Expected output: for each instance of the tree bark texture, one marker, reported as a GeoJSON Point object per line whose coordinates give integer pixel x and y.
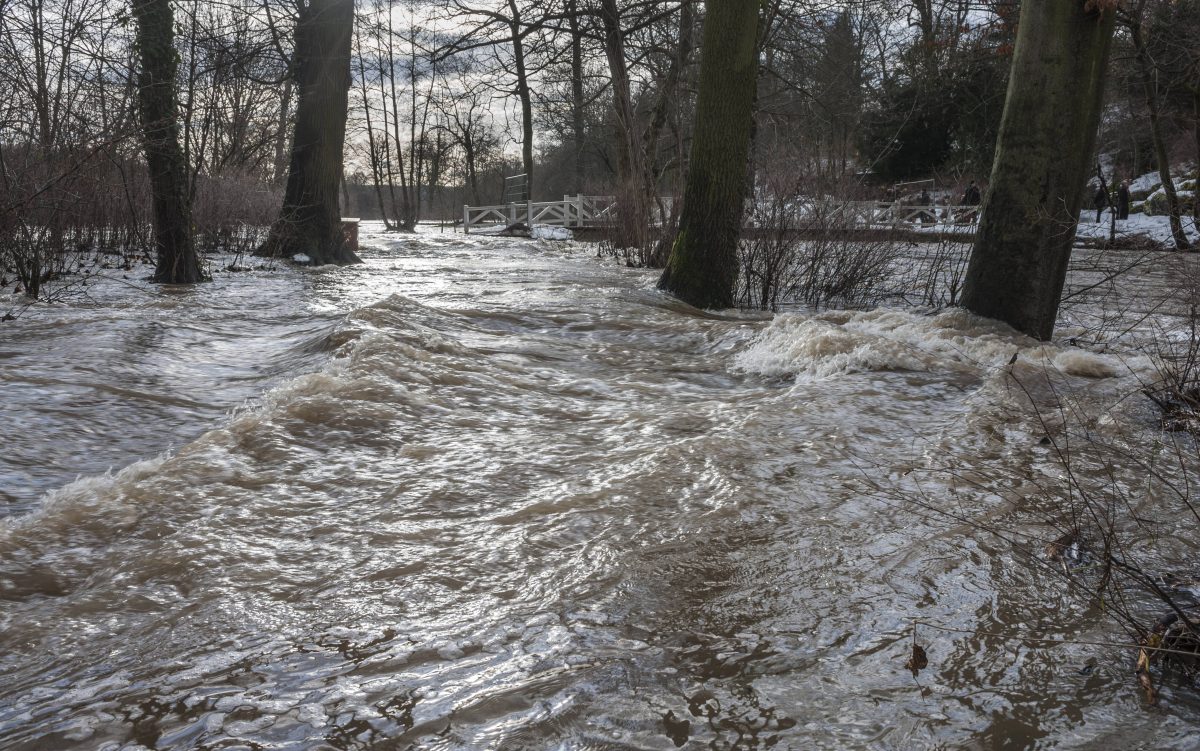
{"type": "Point", "coordinates": [702, 268]}
{"type": "Point", "coordinates": [1047, 134]}
{"type": "Point", "coordinates": [158, 110]}
{"type": "Point", "coordinates": [310, 221]}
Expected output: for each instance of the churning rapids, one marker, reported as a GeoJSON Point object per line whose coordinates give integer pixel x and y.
{"type": "Point", "coordinates": [483, 493]}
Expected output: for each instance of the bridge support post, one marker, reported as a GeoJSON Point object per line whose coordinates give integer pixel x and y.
{"type": "Point", "coordinates": [466, 219]}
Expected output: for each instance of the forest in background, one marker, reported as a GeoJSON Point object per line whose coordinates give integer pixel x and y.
{"type": "Point", "coordinates": [584, 96]}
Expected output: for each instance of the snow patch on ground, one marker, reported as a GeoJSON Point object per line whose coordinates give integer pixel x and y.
{"type": "Point", "coordinates": [301, 258]}
{"type": "Point", "coordinates": [1156, 228]}
{"type": "Point", "coordinates": [551, 232]}
{"type": "Point", "coordinates": [1144, 183]}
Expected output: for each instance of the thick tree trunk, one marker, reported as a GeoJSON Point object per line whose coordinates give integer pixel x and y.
{"type": "Point", "coordinates": [158, 110]}
{"type": "Point", "coordinates": [702, 268]}
{"type": "Point", "coordinates": [1150, 89]}
{"type": "Point", "coordinates": [310, 221]}
{"type": "Point", "coordinates": [1047, 133]}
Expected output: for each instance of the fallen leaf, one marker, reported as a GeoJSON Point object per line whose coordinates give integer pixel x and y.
{"type": "Point", "coordinates": [918, 661]}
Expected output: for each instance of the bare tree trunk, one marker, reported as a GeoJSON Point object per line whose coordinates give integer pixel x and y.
{"type": "Point", "coordinates": [669, 87]}
{"type": "Point", "coordinates": [577, 102]}
{"type": "Point", "coordinates": [158, 109]}
{"type": "Point", "coordinates": [281, 135]}
{"type": "Point", "coordinates": [1047, 134]}
{"type": "Point", "coordinates": [376, 167]}
{"type": "Point", "coordinates": [634, 185]}
{"type": "Point", "coordinates": [523, 94]}
{"type": "Point", "coordinates": [310, 221]}
{"type": "Point", "coordinates": [1146, 68]}
{"type": "Point", "coordinates": [702, 269]}
{"type": "Point", "coordinates": [404, 211]}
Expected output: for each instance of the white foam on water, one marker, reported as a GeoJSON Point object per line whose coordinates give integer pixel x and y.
{"type": "Point", "coordinates": [825, 345]}
{"type": "Point", "coordinates": [87, 495]}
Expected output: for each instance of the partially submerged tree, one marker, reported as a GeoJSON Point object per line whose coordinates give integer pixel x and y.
{"type": "Point", "coordinates": [1047, 133]}
{"type": "Point", "coordinates": [158, 112]}
{"type": "Point", "coordinates": [702, 267]}
{"type": "Point", "coordinates": [310, 221]}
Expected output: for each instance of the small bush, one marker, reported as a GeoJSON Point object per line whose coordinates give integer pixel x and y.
{"type": "Point", "coordinates": [801, 250]}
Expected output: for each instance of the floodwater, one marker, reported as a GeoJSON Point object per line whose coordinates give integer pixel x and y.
{"type": "Point", "coordinates": [483, 493]}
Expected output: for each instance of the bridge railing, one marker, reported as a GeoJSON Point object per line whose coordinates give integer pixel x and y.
{"type": "Point", "coordinates": [815, 212]}
{"type": "Point", "coordinates": [571, 211]}
{"type": "Point", "coordinates": [597, 211]}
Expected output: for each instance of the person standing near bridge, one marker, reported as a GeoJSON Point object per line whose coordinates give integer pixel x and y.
{"type": "Point", "coordinates": [1123, 201]}
{"type": "Point", "coordinates": [971, 199]}
{"type": "Point", "coordinates": [1100, 202]}
{"type": "Point", "coordinates": [927, 217]}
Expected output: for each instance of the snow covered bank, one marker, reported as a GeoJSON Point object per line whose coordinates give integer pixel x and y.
{"type": "Point", "coordinates": [1156, 228]}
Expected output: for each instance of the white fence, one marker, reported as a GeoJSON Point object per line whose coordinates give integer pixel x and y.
{"type": "Point", "coordinates": [571, 211]}
{"type": "Point", "coordinates": [873, 214]}
{"type": "Point", "coordinates": [597, 211]}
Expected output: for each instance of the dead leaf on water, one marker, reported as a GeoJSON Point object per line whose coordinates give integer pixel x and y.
{"type": "Point", "coordinates": [918, 661]}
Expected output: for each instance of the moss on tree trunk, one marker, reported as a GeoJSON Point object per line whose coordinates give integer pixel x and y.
{"type": "Point", "coordinates": [310, 220]}
{"type": "Point", "coordinates": [158, 111]}
{"type": "Point", "coordinates": [1047, 134]}
{"type": "Point", "coordinates": [702, 268]}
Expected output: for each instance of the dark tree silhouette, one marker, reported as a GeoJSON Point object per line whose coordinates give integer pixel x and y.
{"type": "Point", "coordinates": [702, 267]}
{"type": "Point", "coordinates": [310, 221]}
{"type": "Point", "coordinates": [1019, 262]}
{"type": "Point", "coordinates": [158, 111]}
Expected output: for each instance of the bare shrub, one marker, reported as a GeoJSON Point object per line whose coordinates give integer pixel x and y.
{"type": "Point", "coordinates": [62, 209]}
{"type": "Point", "coordinates": [801, 249]}
{"type": "Point", "coordinates": [643, 227]}
{"type": "Point", "coordinates": [232, 212]}
{"type": "Point", "coordinates": [1176, 353]}
{"type": "Point", "coordinates": [939, 272]}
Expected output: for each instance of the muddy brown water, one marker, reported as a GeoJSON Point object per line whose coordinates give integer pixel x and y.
{"type": "Point", "coordinates": [484, 493]}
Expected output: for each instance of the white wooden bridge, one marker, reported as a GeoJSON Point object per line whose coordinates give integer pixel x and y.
{"type": "Point", "coordinates": [581, 211]}
{"type": "Point", "coordinates": [888, 215]}
{"type": "Point", "coordinates": [572, 211]}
